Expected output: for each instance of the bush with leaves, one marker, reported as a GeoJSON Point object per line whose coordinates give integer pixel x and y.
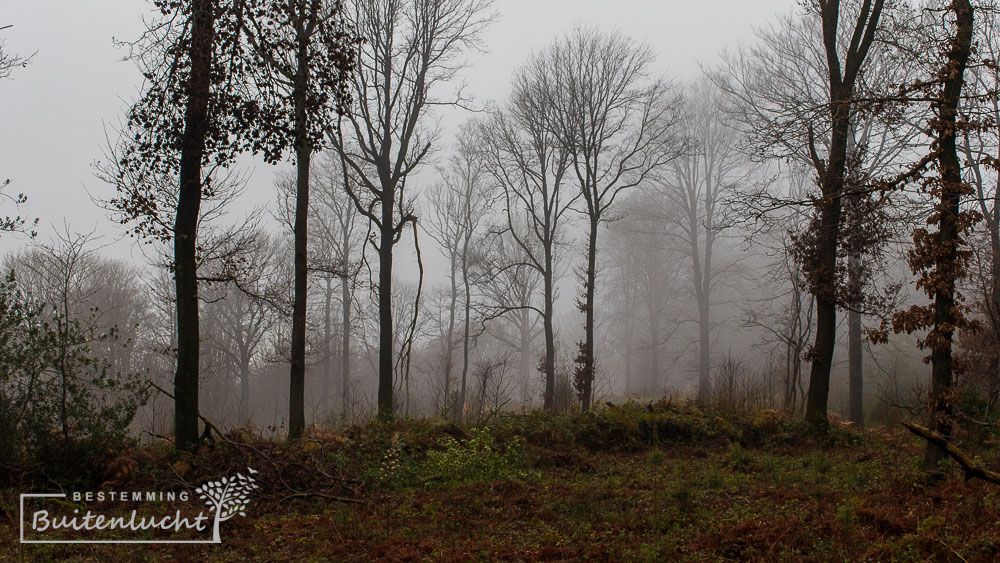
{"type": "Point", "coordinates": [477, 459]}
{"type": "Point", "coordinates": [61, 406]}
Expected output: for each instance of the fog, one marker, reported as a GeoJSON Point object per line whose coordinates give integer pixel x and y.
{"type": "Point", "coordinates": [698, 290]}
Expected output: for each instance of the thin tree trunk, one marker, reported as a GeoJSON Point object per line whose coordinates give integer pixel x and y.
{"type": "Point", "coordinates": [468, 310]}
{"type": "Point", "coordinates": [327, 343]}
{"type": "Point", "coordinates": [450, 345]}
{"type": "Point", "coordinates": [587, 368]}
{"type": "Point", "coordinates": [303, 154]}
{"type": "Point", "coordinates": [345, 345]}
{"type": "Point", "coordinates": [549, 361]}
{"type": "Point", "coordinates": [704, 351]}
{"type": "Point", "coordinates": [385, 350]}
{"type": "Point", "coordinates": [186, 223]}
{"type": "Point", "coordinates": [524, 357]}
{"type": "Point", "coordinates": [297, 387]}
{"type": "Point", "coordinates": [629, 322]}
{"type": "Point", "coordinates": [856, 405]}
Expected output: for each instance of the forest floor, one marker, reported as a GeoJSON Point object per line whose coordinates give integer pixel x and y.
{"type": "Point", "coordinates": [634, 483]}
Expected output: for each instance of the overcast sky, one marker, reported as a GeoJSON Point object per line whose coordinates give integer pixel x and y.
{"type": "Point", "coordinates": [53, 113]}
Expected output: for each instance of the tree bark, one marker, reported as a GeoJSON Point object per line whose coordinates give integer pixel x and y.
{"type": "Point", "coordinates": [385, 347]}
{"type": "Point", "coordinates": [297, 383]}
{"type": "Point", "coordinates": [196, 122]}
{"type": "Point", "coordinates": [450, 345]}
{"type": "Point", "coordinates": [948, 231]}
{"type": "Point", "coordinates": [822, 265]}
{"type": "Point", "coordinates": [587, 368]}
{"type": "Point", "coordinates": [549, 361]}
{"type": "Point", "coordinates": [468, 311]}
{"type": "Point", "coordinates": [345, 344]}
{"type": "Point", "coordinates": [704, 351]}
{"type": "Point", "coordinates": [825, 267]}
{"type": "Point", "coordinates": [856, 383]}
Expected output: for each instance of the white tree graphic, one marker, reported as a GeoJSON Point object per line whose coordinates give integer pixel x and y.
{"type": "Point", "coordinates": [227, 497]}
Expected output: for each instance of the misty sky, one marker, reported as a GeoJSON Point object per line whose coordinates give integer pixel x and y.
{"type": "Point", "coordinates": [55, 111]}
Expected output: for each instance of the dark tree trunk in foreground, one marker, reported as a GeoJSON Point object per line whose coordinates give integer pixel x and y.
{"type": "Point", "coordinates": [385, 329]}
{"type": "Point", "coordinates": [186, 223]}
{"type": "Point", "coordinates": [948, 231]}
{"type": "Point", "coordinates": [822, 257]}
{"type": "Point", "coordinates": [303, 153]}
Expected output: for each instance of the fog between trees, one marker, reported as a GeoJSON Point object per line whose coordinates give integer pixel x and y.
{"type": "Point", "coordinates": [604, 232]}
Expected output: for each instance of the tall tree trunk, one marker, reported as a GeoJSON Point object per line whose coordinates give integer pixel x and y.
{"type": "Point", "coordinates": [450, 344]}
{"type": "Point", "coordinates": [822, 259]}
{"type": "Point", "coordinates": [549, 361]}
{"type": "Point", "coordinates": [655, 322]}
{"type": "Point", "coordinates": [186, 223]}
{"type": "Point", "coordinates": [704, 351]}
{"type": "Point", "coordinates": [385, 341]}
{"type": "Point", "coordinates": [587, 368]}
{"type": "Point", "coordinates": [524, 357]}
{"type": "Point", "coordinates": [327, 343]}
{"type": "Point", "coordinates": [856, 383]}
{"type": "Point", "coordinates": [629, 323]}
{"type": "Point", "coordinates": [825, 261]}
{"type": "Point", "coordinates": [297, 387]}
{"type": "Point", "coordinates": [345, 344]}
{"type": "Point", "coordinates": [948, 231]}
{"type": "Point", "coordinates": [468, 311]}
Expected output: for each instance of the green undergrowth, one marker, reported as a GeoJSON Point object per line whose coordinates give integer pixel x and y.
{"type": "Point", "coordinates": [634, 482]}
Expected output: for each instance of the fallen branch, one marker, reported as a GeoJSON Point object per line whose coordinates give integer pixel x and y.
{"type": "Point", "coordinates": [969, 465]}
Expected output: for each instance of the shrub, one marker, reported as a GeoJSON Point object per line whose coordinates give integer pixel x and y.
{"type": "Point", "coordinates": [61, 407]}
{"type": "Point", "coordinates": [475, 459]}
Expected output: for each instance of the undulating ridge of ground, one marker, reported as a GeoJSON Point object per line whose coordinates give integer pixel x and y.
{"type": "Point", "coordinates": [659, 482]}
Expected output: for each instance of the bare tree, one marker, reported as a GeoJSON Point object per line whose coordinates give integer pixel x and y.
{"type": "Point", "coordinates": [698, 184]}
{"type": "Point", "coordinates": [411, 48]}
{"type": "Point", "coordinates": [644, 286]}
{"type": "Point", "coordinates": [304, 52]}
{"type": "Point", "coordinates": [530, 164]}
{"type": "Point", "coordinates": [939, 258]}
{"type": "Point", "coordinates": [339, 238]}
{"type": "Point", "coordinates": [509, 306]}
{"type": "Point", "coordinates": [798, 99]}
{"type": "Point", "coordinates": [616, 124]}
{"type": "Point", "coordinates": [461, 202]}
{"type": "Point", "coordinates": [9, 61]}
{"type": "Point", "coordinates": [244, 315]}
{"type": "Point", "coordinates": [785, 314]}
